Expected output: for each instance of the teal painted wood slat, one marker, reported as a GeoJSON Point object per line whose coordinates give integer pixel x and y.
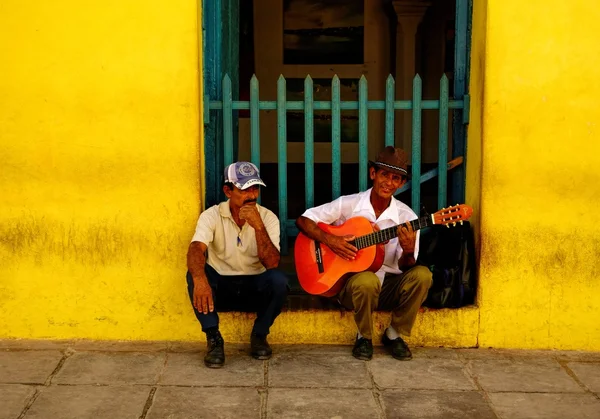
{"type": "Point", "coordinates": [254, 122]}
{"type": "Point", "coordinates": [362, 133]}
{"type": "Point", "coordinates": [443, 143]}
{"type": "Point", "coordinates": [227, 121]}
{"type": "Point", "coordinates": [336, 137]}
{"type": "Point", "coordinates": [206, 115]}
{"type": "Point", "coordinates": [282, 162]}
{"type": "Point", "coordinates": [416, 145]}
{"type": "Point", "coordinates": [212, 25]}
{"type": "Point", "coordinates": [389, 111]}
{"type": "Point", "coordinates": [309, 152]}
{"type": "Point", "coordinates": [230, 13]}
{"type": "Point", "coordinates": [348, 105]}
{"type": "Point", "coordinates": [460, 89]}
{"type": "Point", "coordinates": [430, 174]}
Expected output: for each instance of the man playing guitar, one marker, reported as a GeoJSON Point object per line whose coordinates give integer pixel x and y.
{"type": "Point", "coordinates": [398, 286]}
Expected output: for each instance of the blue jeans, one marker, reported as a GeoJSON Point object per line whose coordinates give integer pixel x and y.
{"type": "Point", "coordinates": [264, 294]}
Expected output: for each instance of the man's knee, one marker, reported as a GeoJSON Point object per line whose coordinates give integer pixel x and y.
{"type": "Point", "coordinates": [278, 281]}
{"type": "Point", "coordinates": [366, 283]}
{"type": "Point", "coordinates": [421, 276]}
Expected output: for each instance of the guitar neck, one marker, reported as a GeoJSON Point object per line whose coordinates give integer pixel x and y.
{"type": "Point", "coordinates": [389, 233]}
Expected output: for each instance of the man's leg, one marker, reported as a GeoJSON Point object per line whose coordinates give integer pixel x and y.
{"type": "Point", "coordinates": [361, 293]}
{"type": "Point", "coordinates": [215, 356]}
{"type": "Point", "coordinates": [270, 290]}
{"type": "Point", "coordinates": [403, 295]}
{"type": "Point", "coordinates": [209, 320]}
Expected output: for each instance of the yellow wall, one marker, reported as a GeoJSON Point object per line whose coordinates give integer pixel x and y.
{"type": "Point", "coordinates": [99, 122]}
{"type": "Point", "coordinates": [100, 180]}
{"type": "Point", "coordinates": [540, 181]}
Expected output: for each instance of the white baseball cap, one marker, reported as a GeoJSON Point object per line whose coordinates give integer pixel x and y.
{"type": "Point", "coordinates": [243, 174]}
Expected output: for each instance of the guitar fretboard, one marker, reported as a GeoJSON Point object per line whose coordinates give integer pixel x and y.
{"type": "Point", "coordinates": [389, 233]}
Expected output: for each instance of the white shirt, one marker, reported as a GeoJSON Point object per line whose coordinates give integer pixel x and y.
{"type": "Point", "coordinates": [232, 250]}
{"type": "Point", "coordinates": [345, 207]}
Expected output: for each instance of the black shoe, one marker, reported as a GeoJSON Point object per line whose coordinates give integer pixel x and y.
{"type": "Point", "coordinates": [399, 348]}
{"type": "Point", "coordinates": [363, 349]}
{"type": "Point", "coordinates": [215, 357]}
{"type": "Point", "coordinates": [259, 347]}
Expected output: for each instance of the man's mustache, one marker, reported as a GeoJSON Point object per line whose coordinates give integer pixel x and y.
{"type": "Point", "coordinates": [249, 201]}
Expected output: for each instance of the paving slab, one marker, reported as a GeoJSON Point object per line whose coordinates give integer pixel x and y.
{"type": "Point", "coordinates": [545, 406]}
{"type": "Point", "coordinates": [528, 353]}
{"type": "Point", "coordinates": [93, 402]}
{"type": "Point", "coordinates": [420, 373]}
{"type": "Point", "coordinates": [588, 374]}
{"type": "Point", "coordinates": [436, 405]}
{"type": "Point", "coordinates": [28, 367]}
{"type": "Point", "coordinates": [111, 368]}
{"type": "Point", "coordinates": [216, 402]}
{"type": "Point", "coordinates": [583, 356]}
{"type": "Point", "coordinates": [13, 398]}
{"type": "Point", "coordinates": [188, 369]}
{"type": "Point", "coordinates": [321, 403]}
{"type": "Point", "coordinates": [534, 375]}
{"type": "Point", "coordinates": [445, 353]}
{"type": "Point", "coordinates": [34, 344]}
{"type": "Point", "coordinates": [118, 346]}
{"type": "Point", "coordinates": [481, 353]}
{"type": "Point", "coordinates": [317, 370]}
{"type": "Point", "coordinates": [200, 347]}
{"type": "Point", "coordinates": [343, 350]}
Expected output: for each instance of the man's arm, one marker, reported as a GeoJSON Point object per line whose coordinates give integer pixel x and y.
{"type": "Point", "coordinates": [339, 244]}
{"type": "Point", "coordinates": [196, 261]}
{"type": "Point", "coordinates": [407, 239]}
{"type": "Point", "coordinates": [267, 252]}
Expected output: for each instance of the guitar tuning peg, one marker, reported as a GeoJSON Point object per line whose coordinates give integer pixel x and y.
{"type": "Point", "coordinates": [447, 226]}
{"type": "Point", "coordinates": [461, 223]}
{"type": "Point", "coordinates": [453, 224]}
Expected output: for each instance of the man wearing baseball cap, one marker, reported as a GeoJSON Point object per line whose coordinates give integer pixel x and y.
{"type": "Point", "coordinates": [232, 263]}
{"type": "Point", "coordinates": [399, 285]}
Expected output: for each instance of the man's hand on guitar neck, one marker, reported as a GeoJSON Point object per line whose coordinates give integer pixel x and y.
{"type": "Point", "coordinates": [407, 238]}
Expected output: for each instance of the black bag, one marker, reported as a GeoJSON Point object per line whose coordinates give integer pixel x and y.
{"type": "Point", "coordinates": [450, 255]}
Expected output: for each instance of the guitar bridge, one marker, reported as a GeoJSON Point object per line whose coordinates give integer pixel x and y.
{"type": "Point", "coordinates": [319, 257]}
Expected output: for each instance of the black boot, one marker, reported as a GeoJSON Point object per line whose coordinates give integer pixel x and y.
{"type": "Point", "coordinates": [399, 348]}
{"type": "Point", "coordinates": [259, 347]}
{"type": "Point", "coordinates": [215, 357]}
{"type": "Point", "coordinates": [363, 349]}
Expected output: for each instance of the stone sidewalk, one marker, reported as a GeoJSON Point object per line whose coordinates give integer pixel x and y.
{"type": "Point", "coordinates": [166, 380]}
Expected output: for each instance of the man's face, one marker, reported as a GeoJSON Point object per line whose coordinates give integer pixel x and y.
{"type": "Point", "coordinates": [238, 198]}
{"type": "Point", "coordinates": [385, 183]}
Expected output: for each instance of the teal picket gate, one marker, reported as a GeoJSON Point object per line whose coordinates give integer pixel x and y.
{"type": "Point", "coordinates": [228, 106]}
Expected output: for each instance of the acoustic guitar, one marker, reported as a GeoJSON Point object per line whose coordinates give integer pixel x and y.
{"type": "Point", "coordinates": [322, 272]}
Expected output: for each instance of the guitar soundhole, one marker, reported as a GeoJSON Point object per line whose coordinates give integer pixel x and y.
{"type": "Point", "coordinates": [319, 257]}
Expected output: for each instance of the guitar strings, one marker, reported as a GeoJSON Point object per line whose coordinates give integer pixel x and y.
{"type": "Point", "coordinates": [387, 234]}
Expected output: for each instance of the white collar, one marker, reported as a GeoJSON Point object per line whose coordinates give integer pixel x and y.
{"type": "Point", "coordinates": [390, 213]}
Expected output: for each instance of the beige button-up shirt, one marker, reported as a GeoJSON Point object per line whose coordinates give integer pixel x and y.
{"type": "Point", "coordinates": [232, 250]}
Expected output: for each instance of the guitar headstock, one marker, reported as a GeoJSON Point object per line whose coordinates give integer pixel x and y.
{"type": "Point", "coordinates": [452, 215]}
